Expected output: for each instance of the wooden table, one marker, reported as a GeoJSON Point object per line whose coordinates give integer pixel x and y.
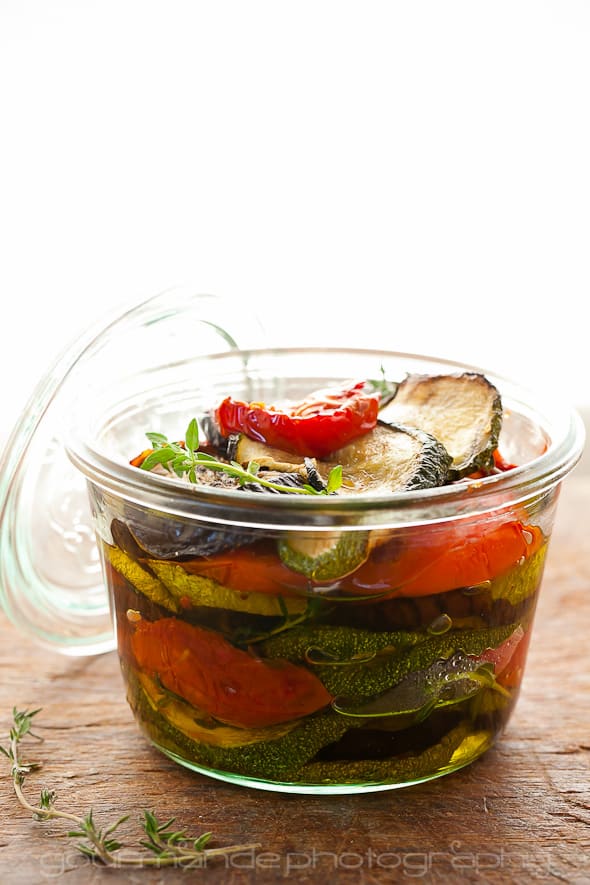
{"type": "Point", "coordinates": [519, 815]}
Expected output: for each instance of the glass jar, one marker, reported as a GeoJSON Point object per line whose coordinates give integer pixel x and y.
{"type": "Point", "coordinates": [305, 644]}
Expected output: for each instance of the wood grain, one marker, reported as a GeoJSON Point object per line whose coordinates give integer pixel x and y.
{"type": "Point", "coordinates": [521, 814]}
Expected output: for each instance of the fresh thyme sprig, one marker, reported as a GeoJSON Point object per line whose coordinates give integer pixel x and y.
{"type": "Point", "coordinates": [185, 459]}
{"type": "Point", "coordinates": [164, 846]}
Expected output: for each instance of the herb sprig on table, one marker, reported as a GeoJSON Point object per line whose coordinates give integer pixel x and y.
{"type": "Point", "coordinates": [184, 459]}
{"type": "Point", "coordinates": [163, 845]}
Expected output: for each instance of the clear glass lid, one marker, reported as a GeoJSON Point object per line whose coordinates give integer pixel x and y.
{"type": "Point", "coordinates": [50, 575]}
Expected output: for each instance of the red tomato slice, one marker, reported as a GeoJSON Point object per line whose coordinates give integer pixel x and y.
{"type": "Point", "coordinates": [321, 424]}
{"type": "Point", "coordinates": [227, 683]}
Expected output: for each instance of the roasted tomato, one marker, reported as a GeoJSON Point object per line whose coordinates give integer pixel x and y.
{"type": "Point", "coordinates": [225, 682]}
{"type": "Point", "coordinates": [322, 423]}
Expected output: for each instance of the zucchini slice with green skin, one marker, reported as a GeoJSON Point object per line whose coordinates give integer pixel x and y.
{"type": "Point", "coordinates": [391, 458]}
{"type": "Point", "coordinates": [279, 757]}
{"type": "Point", "coordinates": [387, 459]}
{"type": "Point", "coordinates": [462, 410]}
{"type": "Point", "coordinates": [202, 591]}
{"type": "Point", "coordinates": [324, 558]}
{"type": "Point", "coordinates": [410, 768]}
{"type": "Point", "coordinates": [169, 585]}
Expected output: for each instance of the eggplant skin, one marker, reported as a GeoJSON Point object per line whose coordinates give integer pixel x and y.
{"type": "Point", "coordinates": [163, 537]}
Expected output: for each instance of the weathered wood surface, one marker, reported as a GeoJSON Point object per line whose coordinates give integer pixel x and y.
{"type": "Point", "coordinates": [522, 814]}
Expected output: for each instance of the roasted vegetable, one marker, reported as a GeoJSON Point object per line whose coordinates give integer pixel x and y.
{"type": "Point", "coordinates": [325, 644]}
{"type": "Point", "coordinates": [409, 768]}
{"type": "Point", "coordinates": [217, 734]}
{"type": "Point", "coordinates": [141, 579]}
{"type": "Point", "coordinates": [392, 458]}
{"type": "Point", "coordinates": [444, 682]}
{"type": "Point", "coordinates": [245, 451]}
{"type": "Point", "coordinates": [189, 589]}
{"type": "Point", "coordinates": [387, 459]}
{"type": "Point", "coordinates": [161, 536]}
{"type": "Point", "coordinates": [318, 425]}
{"type": "Point", "coordinates": [501, 600]}
{"type": "Point", "coordinates": [324, 557]}
{"type": "Point", "coordinates": [452, 556]}
{"type": "Point", "coordinates": [226, 683]}
{"type": "Point", "coordinates": [354, 679]}
{"type": "Point", "coordinates": [291, 756]}
{"type": "Point", "coordinates": [276, 758]}
{"type": "Point", "coordinates": [463, 411]}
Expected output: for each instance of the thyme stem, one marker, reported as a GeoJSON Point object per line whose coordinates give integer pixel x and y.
{"type": "Point", "coordinates": [184, 459]}
{"type": "Point", "coordinates": [167, 848]}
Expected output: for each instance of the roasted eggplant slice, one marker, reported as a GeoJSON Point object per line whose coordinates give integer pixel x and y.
{"type": "Point", "coordinates": [160, 537]}
{"type": "Point", "coordinates": [391, 458]}
{"type": "Point", "coordinates": [463, 411]}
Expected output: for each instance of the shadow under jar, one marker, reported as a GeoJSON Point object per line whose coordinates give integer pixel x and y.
{"type": "Point", "coordinates": [244, 662]}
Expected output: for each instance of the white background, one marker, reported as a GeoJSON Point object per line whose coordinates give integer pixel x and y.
{"type": "Point", "coordinates": [410, 175]}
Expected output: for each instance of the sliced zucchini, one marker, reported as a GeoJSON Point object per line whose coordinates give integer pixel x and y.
{"type": "Point", "coordinates": [521, 582]}
{"type": "Point", "coordinates": [277, 758]}
{"type": "Point", "coordinates": [398, 769]}
{"type": "Point", "coordinates": [391, 458]}
{"type": "Point", "coordinates": [203, 591]}
{"type": "Point", "coordinates": [324, 558]}
{"type": "Point", "coordinates": [143, 581]}
{"type": "Point", "coordinates": [169, 585]}
{"type": "Point", "coordinates": [462, 410]}
{"type": "Point", "coordinates": [347, 645]}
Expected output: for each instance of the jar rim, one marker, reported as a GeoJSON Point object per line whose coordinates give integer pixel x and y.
{"type": "Point", "coordinates": [466, 497]}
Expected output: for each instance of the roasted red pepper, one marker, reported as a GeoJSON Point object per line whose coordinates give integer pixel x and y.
{"type": "Point", "coordinates": [231, 685]}
{"type": "Point", "coordinates": [433, 562]}
{"type": "Point", "coordinates": [257, 568]}
{"type": "Point", "coordinates": [319, 425]}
